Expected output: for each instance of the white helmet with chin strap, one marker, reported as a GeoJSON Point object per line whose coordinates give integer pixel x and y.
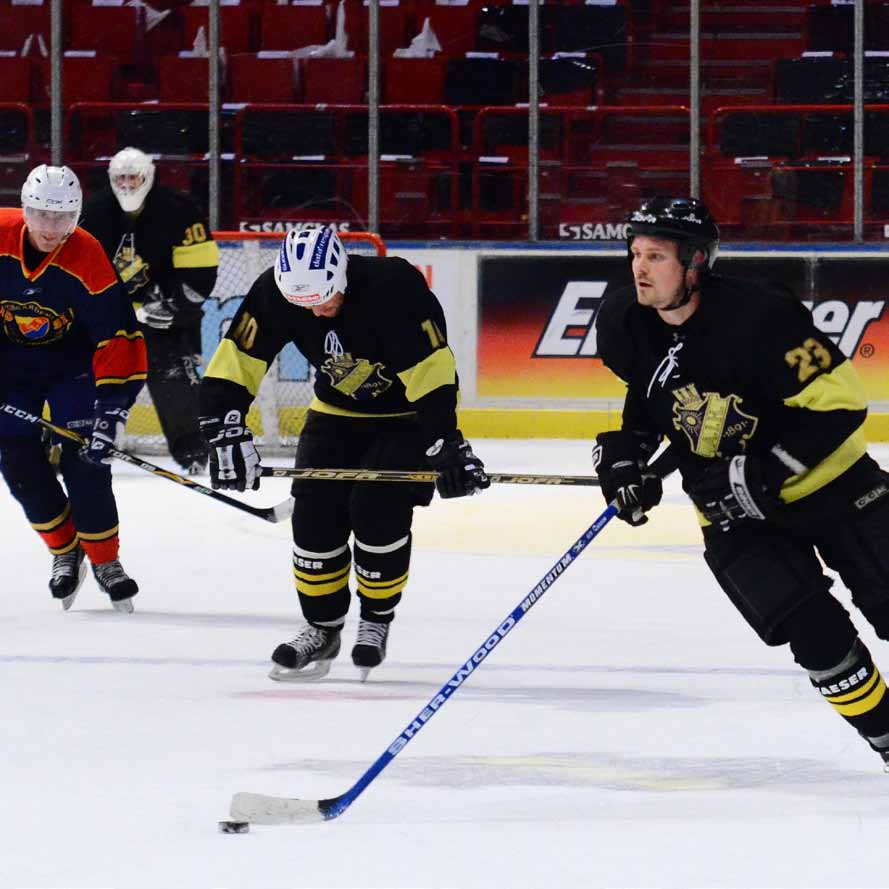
{"type": "Point", "coordinates": [131, 172]}
{"type": "Point", "coordinates": [311, 267]}
{"type": "Point", "coordinates": [53, 190]}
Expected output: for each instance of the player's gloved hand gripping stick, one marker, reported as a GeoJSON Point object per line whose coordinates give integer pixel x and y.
{"type": "Point", "coordinates": [268, 513]}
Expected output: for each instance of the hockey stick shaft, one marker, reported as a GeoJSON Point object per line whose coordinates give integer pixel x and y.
{"type": "Point", "coordinates": [261, 809]}
{"type": "Point", "coordinates": [422, 475]}
{"type": "Point", "coordinates": [269, 513]}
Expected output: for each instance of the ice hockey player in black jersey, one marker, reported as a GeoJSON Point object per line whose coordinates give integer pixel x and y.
{"type": "Point", "coordinates": [764, 415]}
{"type": "Point", "coordinates": [68, 340]}
{"type": "Point", "coordinates": [385, 398]}
{"type": "Point", "coordinates": [161, 246]}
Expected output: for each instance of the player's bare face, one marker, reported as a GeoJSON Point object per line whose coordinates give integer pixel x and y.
{"type": "Point", "coordinates": [657, 272]}
{"type": "Point", "coordinates": [331, 308]}
{"type": "Point", "coordinates": [48, 228]}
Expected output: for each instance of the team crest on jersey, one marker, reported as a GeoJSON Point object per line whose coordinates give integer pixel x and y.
{"type": "Point", "coordinates": [31, 324]}
{"type": "Point", "coordinates": [714, 424]}
{"type": "Point", "coordinates": [356, 377]}
{"type": "Point", "coordinates": [133, 270]}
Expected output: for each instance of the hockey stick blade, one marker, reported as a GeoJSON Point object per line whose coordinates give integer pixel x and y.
{"type": "Point", "coordinates": [415, 476]}
{"type": "Point", "coordinates": [267, 513]}
{"type": "Point", "coordinates": [261, 809]}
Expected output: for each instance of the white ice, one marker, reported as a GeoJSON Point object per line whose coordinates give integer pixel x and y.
{"type": "Point", "coordinates": [631, 730]}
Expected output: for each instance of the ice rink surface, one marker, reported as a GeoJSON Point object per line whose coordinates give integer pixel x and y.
{"type": "Point", "coordinates": [630, 732]}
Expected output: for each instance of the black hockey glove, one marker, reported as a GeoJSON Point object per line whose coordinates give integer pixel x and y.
{"type": "Point", "coordinates": [736, 490]}
{"type": "Point", "coordinates": [234, 461]}
{"type": "Point", "coordinates": [460, 471]}
{"type": "Point", "coordinates": [156, 311]}
{"type": "Point", "coordinates": [620, 462]}
{"type": "Point", "coordinates": [108, 426]}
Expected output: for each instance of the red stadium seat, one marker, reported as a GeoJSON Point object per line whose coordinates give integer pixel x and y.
{"type": "Point", "coordinates": [393, 26]}
{"type": "Point", "coordinates": [261, 77]}
{"type": "Point", "coordinates": [17, 22]}
{"type": "Point", "coordinates": [86, 77]}
{"type": "Point", "coordinates": [454, 26]}
{"type": "Point", "coordinates": [183, 78]}
{"type": "Point", "coordinates": [234, 27]}
{"type": "Point", "coordinates": [15, 79]}
{"type": "Point", "coordinates": [334, 81]}
{"type": "Point", "coordinates": [413, 81]}
{"type": "Point", "coordinates": [290, 27]}
{"type": "Point", "coordinates": [106, 29]}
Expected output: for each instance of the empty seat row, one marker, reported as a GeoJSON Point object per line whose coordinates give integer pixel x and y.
{"type": "Point", "coordinates": [274, 77]}
{"type": "Point", "coordinates": [129, 34]}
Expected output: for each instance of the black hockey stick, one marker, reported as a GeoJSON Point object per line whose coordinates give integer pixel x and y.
{"type": "Point", "coordinates": [261, 809]}
{"type": "Point", "coordinates": [422, 475]}
{"type": "Point", "coordinates": [268, 513]}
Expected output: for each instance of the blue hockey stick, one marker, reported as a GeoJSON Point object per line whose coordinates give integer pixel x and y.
{"type": "Point", "coordinates": [260, 809]}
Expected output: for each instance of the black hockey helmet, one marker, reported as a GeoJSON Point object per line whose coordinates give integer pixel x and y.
{"type": "Point", "coordinates": [686, 221]}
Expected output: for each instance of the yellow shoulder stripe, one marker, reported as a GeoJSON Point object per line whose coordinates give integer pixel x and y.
{"type": "Point", "coordinates": [841, 389]}
{"type": "Point", "coordinates": [437, 369]}
{"type": "Point", "coordinates": [196, 256]}
{"type": "Point", "coordinates": [230, 363]}
{"type": "Point", "coordinates": [833, 465]}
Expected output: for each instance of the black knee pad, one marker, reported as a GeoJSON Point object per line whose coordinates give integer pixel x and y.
{"type": "Point", "coordinates": [858, 549]}
{"type": "Point", "coordinates": [820, 633]}
{"type": "Point", "coordinates": [767, 577]}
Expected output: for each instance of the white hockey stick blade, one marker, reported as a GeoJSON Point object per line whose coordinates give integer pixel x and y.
{"type": "Point", "coordinates": [283, 511]}
{"type": "Point", "coordinates": [259, 809]}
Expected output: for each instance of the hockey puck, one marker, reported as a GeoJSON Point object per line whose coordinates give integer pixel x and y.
{"type": "Point", "coordinates": [234, 827]}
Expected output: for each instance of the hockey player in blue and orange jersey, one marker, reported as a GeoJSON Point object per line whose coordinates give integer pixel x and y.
{"type": "Point", "coordinates": [68, 339]}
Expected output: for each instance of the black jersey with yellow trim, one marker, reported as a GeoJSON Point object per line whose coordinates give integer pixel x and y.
{"type": "Point", "coordinates": [67, 317]}
{"type": "Point", "coordinates": [747, 373]}
{"type": "Point", "coordinates": [384, 354]}
{"type": "Point", "coordinates": [168, 243]}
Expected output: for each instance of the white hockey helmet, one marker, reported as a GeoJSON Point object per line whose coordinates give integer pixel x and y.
{"type": "Point", "coordinates": [131, 172]}
{"type": "Point", "coordinates": [56, 191]}
{"type": "Point", "coordinates": [311, 266]}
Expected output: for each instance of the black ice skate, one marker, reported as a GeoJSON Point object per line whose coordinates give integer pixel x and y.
{"type": "Point", "coordinates": [370, 646]}
{"type": "Point", "coordinates": [68, 572]}
{"type": "Point", "coordinates": [120, 588]}
{"type": "Point", "coordinates": [307, 656]}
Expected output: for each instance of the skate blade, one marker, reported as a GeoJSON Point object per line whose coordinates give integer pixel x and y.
{"type": "Point", "coordinates": [123, 606]}
{"type": "Point", "coordinates": [311, 673]}
{"type": "Point", "coordinates": [68, 600]}
{"type": "Point", "coordinates": [365, 672]}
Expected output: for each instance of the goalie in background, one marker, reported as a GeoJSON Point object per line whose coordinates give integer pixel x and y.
{"type": "Point", "coordinates": [765, 417]}
{"type": "Point", "coordinates": [385, 398]}
{"type": "Point", "coordinates": [160, 243]}
{"type": "Point", "coordinates": [68, 339]}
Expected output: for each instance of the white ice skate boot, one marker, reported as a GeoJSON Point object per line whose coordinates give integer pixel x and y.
{"type": "Point", "coordinates": [370, 646]}
{"type": "Point", "coordinates": [68, 572]}
{"type": "Point", "coordinates": [120, 588]}
{"type": "Point", "coordinates": [307, 656]}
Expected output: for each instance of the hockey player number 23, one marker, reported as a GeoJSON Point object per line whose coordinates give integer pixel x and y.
{"type": "Point", "coordinates": [808, 358]}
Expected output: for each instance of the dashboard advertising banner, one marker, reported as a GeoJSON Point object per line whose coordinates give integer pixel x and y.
{"type": "Point", "coordinates": [537, 334]}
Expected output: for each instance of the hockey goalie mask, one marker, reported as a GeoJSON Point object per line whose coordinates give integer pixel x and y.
{"type": "Point", "coordinates": [131, 172]}
{"type": "Point", "coordinates": [311, 267]}
{"type": "Point", "coordinates": [51, 202]}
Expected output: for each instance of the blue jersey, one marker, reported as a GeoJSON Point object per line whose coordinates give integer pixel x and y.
{"type": "Point", "coordinates": [67, 318]}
